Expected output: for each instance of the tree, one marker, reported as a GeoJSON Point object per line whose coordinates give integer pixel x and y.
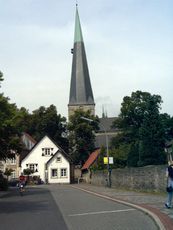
{"type": "Point", "coordinates": [100, 161]}
{"type": "Point", "coordinates": [141, 126]}
{"type": "Point", "coordinates": [167, 122]}
{"type": "Point", "coordinates": [8, 172]}
{"type": "Point", "coordinates": [27, 171]}
{"type": "Point", "coordinates": [151, 137]}
{"type": "Point", "coordinates": [120, 155]}
{"type": "Point", "coordinates": [46, 121]}
{"type": "Point", "coordinates": [9, 135]}
{"type": "Point", "coordinates": [81, 135]}
{"type": "Point", "coordinates": [3, 182]}
{"type": "Point", "coordinates": [22, 119]}
{"type": "Point", "coordinates": [14, 121]}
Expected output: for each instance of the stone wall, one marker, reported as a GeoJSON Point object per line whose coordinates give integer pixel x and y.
{"type": "Point", "coordinates": [148, 178]}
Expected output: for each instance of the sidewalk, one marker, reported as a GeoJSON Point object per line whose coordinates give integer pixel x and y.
{"type": "Point", "coordinates": [153, 203]}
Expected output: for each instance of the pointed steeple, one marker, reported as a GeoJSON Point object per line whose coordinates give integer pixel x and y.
{"type": "Point", "coordinates": [81, 95]}
{"type": "Point", "coordinates": [78, 32]}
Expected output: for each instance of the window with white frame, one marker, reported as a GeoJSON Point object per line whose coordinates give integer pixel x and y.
{"type": "Point", "coordinates": [58, 159]}
{"type": "Point", "coordinates": [47, 151]}
{"type": "Point", "coordinates": [33, 167]}
{"type": "Point", "coordinates": [13, 161]}
{"type": "Point", "coordinates": [63, 172]}
{"type": "Point", "coordinates": [54, 173]}
{"type": "Point", "coordinates": [13, 175]}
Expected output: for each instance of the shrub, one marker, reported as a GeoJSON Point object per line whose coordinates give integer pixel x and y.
{"type": "Point", "coordinates": [3, 183]}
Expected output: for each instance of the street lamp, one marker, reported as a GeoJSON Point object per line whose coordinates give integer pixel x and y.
{"type": "Point", "coordinates": [107, 149]}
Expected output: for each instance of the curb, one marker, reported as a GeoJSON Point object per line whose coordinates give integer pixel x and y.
{"type": "Point", "coordinates": [148, 212]}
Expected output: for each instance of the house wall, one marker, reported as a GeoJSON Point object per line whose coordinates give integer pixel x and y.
{"type": "Point", "coordinates": [35, 157]}
{"type": "Point", "coordinates": [63, 164]}
{"type": "Point", "coordinates": [11, 163]}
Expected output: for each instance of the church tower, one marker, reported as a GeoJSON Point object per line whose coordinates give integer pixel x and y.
{"type": "Point", "coordinates": [81, 95]}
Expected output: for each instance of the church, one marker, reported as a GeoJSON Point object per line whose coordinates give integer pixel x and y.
{"type": "Point", "coordinates": [81, 94]}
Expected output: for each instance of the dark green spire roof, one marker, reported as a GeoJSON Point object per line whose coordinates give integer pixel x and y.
{"type": "Point", "coordinates": [80, 88]}
{"type": "Point", "coordinates": [78, 32]}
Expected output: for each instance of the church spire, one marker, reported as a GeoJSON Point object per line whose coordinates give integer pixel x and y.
{"type": "Point", "coordinates": [81, 95]}
{"type": "Point", "coordinates": [78, 32]}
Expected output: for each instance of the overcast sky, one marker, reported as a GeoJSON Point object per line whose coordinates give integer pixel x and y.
{"type": "Point", "coordinates": [129, 47]}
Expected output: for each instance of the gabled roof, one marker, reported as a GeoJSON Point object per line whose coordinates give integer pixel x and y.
{"type": "Point", "coordinates": [27, 141]}
{"type": "Point", "coordinates": [67, 157]}
{"type": "Point", "coordinates": [107, 123]}
{"type": "Point", "coordinates": [38, 144]}
{"type": "Point", "coordinates": [23, 154]}
{"type": "Point", "coordinates": [93, 156]}
{"type": "Point", "coordinates": [80, 88]}
{"type": "Point", "coordinates": [29, 137]}
{"type": "Point", "coordinates": [59, 149]}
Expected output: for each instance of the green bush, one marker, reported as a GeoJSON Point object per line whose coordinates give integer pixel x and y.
{"type": "Point", "coordinates": [3, 183]}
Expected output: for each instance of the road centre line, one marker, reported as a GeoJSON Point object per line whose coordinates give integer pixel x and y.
{"type": "Point", "coordinates": [102, 212]}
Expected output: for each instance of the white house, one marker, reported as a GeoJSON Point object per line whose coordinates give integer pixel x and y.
{"type": "Point", "coordinates": [49, 162]}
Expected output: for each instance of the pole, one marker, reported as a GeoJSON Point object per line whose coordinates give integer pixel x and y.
{"type": "Point", "coordinates": [107, 154]}
{"type": "Point", "coordinates": [107, 150]}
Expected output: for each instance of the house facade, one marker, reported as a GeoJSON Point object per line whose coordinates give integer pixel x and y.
{"type": "Point", "coordinates": [48, 161]}
{"type": "Point", "coordinates": [11, 163]}
{"type": "Point", "coordinates": [14, 159]}
{"type": "Point", "coordinates": [58, 169]}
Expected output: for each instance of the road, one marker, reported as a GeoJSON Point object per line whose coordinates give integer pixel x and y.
{"type": "Point", "coordinates": [61, 207]}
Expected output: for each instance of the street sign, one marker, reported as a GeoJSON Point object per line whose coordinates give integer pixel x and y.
{"type": "Point", "coordinates": [111, 160]}
{"type": "Point", "coordinates": [105, 160]}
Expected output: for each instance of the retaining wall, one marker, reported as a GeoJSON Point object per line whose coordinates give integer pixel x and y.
{"type": "Point", "coordinates": [148, 178]}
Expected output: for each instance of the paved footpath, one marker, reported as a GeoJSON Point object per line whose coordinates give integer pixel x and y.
{"type": "Point", "coordinates": [151, 203]}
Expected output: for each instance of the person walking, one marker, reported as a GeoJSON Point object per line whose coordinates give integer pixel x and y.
{"type": "Point", "coordinates": [169, 175]}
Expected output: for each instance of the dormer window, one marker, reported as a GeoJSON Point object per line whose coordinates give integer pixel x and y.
{"type": "Point", "coordinates": [47, 151]}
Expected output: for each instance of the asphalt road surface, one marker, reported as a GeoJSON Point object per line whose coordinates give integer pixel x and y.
{"type": "Point", "coordinates": [61, 207]}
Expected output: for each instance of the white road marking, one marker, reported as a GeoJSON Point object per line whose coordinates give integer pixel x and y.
{"type": "Point", "coordinates": [102, 212]}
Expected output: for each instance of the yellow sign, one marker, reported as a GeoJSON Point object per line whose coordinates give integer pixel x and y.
{"type": "Point", "coordinates": [105, 160]}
